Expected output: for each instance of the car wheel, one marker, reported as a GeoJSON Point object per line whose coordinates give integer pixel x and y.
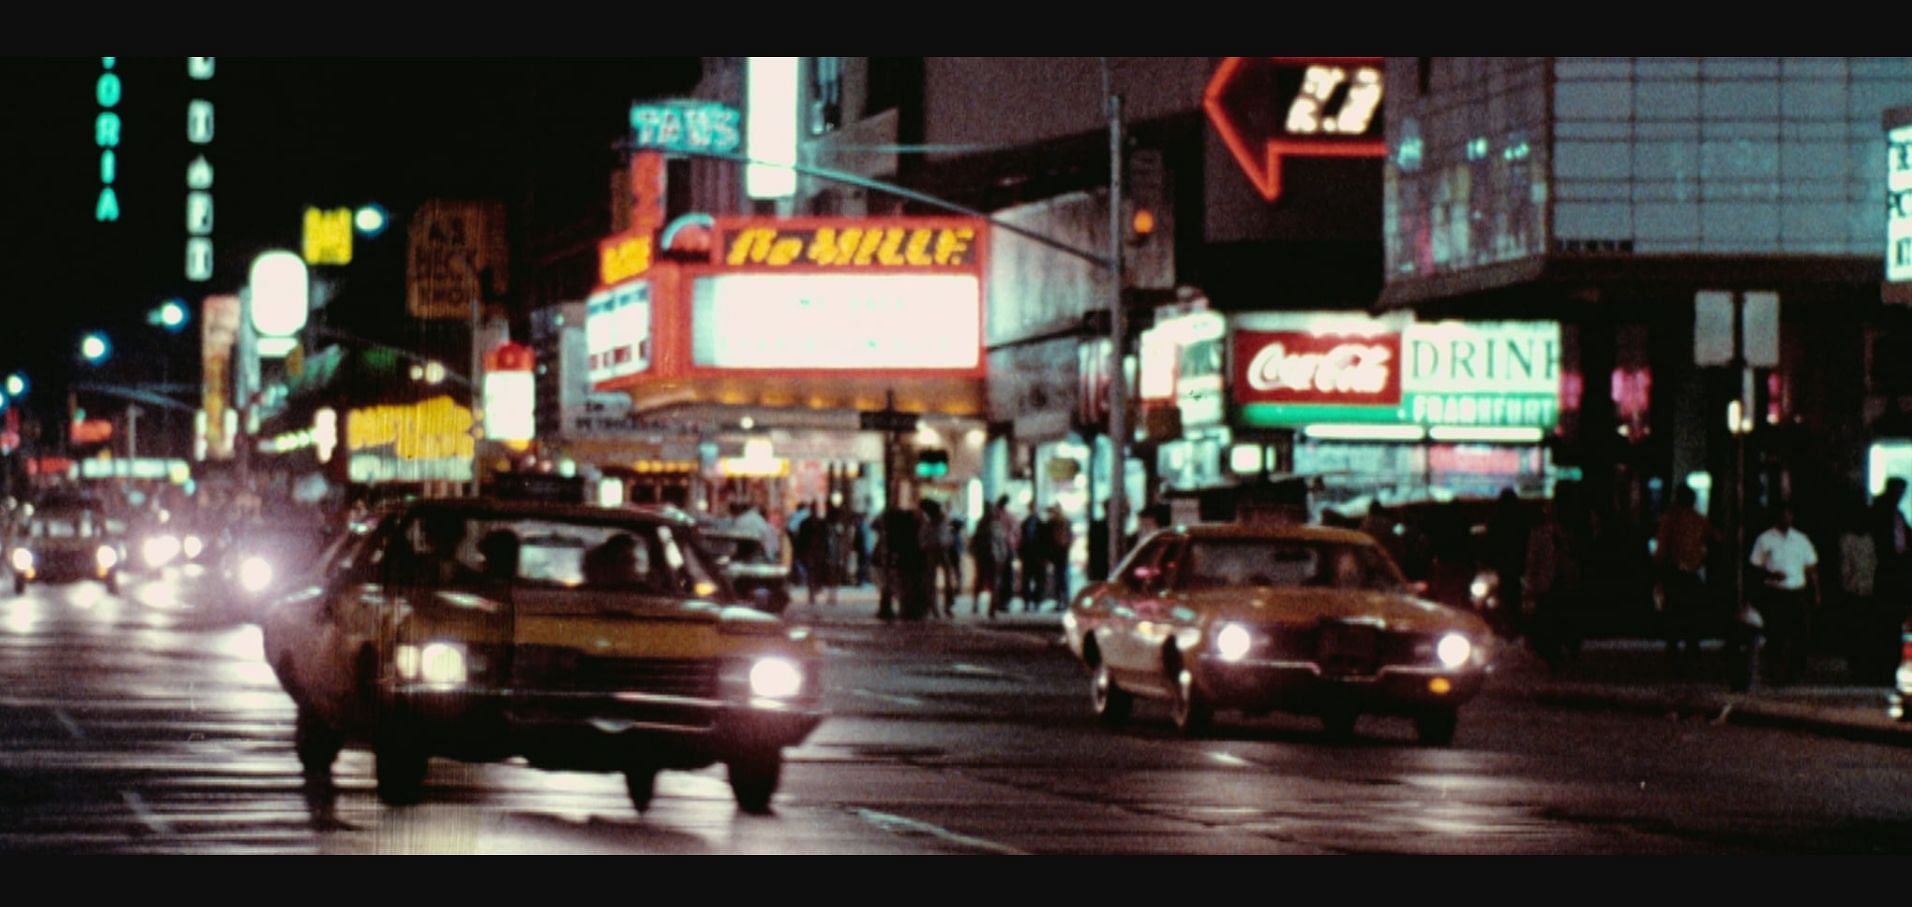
{"type": "Point", "coordinates": [1437, 728]}
{"type": "Point", "coordinates": [19, 584]}
{"type": "Point", "coordinates": [1190, 709]}
{"type": "Point", "coordinates": [641, 783]}
{"type": "Point", "coordinates": [1113, 705]}
{"type": "Point", "coordinates": [317, 743]}
{"type": "Point", "coordinates": [112, 583]}
{"type": "Point", "coordinates": [753, 779]}
{"type": "Point", "coordinates": [400, 767]}
{"type": "Point", "coordinates": [1339, 723]}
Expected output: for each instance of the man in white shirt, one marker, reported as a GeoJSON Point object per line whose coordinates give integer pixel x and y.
{"type": "Point", "coordinates": [1789, 565]}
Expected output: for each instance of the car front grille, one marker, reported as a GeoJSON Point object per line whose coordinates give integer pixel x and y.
{"type": "Point", "coordinates": [559, 669]}
{"type": "Point", "coordinates": [1347, 649]}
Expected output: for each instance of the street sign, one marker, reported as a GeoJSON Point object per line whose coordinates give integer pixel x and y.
{"type": "Point", "coordinates": [887, 420]}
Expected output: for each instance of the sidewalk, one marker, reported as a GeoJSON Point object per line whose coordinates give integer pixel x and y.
{"type": "Point", "coordinates": [1609, 674]}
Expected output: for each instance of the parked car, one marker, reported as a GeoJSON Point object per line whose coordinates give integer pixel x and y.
{"type": "Point", "coordinates": [752, 571]}
{"type": "Point", "coordinates": [1267, 617]}
{"type": "Point", "coordinates": [577, 638]}
{"type": "Point", "coordinates": [57, 542]}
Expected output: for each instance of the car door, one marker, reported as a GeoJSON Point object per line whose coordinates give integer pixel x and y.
{"type": "Point", "coordinates": [1130, 599]}
{"type": "Point", "coordinates": [345, 653]}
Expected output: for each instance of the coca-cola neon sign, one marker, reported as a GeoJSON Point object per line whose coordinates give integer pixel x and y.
{"type": "Point", "coordinates": [1299, 367]}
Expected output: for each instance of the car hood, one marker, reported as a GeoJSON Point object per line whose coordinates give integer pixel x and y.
{"type": "Point", "coordinates": [616, 626]}
{"type": "Point", "coordinates": [1299, 607]}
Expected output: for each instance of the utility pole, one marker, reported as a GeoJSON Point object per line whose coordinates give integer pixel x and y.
{"type": "Point", "coordinates": [1118, 385]}
{"type": "Point", "coordinates": [133, 412]}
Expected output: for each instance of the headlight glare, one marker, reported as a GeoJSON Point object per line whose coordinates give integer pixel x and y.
{"type": "Point", "coordinates": [106, 557]}
{"type": "Point", "coordinates": [775, 678]}
{"type": "Point", "coordinates": [1233, 641]}
{"type": "Point", "coordinates": [22, 560]}
{"type": "Point", "coordinates": [255, 574]}
{"type": "Point", "coordinates": [191, 547]}
{"type": "Point", "coordinates": [1454, 650]}
{"type": "Point", "coordinates": [159, 550]}
{"type": "Point", "coordinates": [441, 662]}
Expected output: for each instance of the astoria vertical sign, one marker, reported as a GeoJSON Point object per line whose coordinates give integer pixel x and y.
{"type": "Point", "coordinates": [199, 123]}
{"type": "Point", "coordinates": [106, 137]}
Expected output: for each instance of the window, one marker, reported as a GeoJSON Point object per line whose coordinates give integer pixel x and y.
{"type": "Point", "coordinates": [1229, 563]}
{"type": "Point", "coordinates": [1142, 571]}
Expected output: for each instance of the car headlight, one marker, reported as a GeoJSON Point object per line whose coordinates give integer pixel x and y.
{"type": "Point", "coordinates": [775, 678]}
{"type": "Point", "coordinates": [159, 550]}
{"type": "Point", "coordinates": [1454, 650]}
{"type": "Point", "coordinates": [107, 556]}
{"type": "Point", "coordinates": [191, 546]}
{"type": "Point", "coordinates": [255, 574]}
{"type": "Point", "coordinates": [436, 662]}
{"type": "Point", "coordinates": [1483, 585]}
{"type": "Point", "coordinates": [1233, 641]}
{"type": "Point", "coordinates": [22, 560]}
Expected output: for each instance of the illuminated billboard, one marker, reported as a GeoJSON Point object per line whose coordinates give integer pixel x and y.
{"type": "Point", "coordinates": [1298, 369]}
{"type": "Point", "coordinates": [837, 322]}
{"type": "Point", "coordinates": [617, 331]}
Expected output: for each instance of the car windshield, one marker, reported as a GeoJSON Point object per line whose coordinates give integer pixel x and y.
{"type": "Point", "coordinates": [1224, 563]}
{"type": "Point", "coordinates": [555, 553]}
{"type": "Point", "coordinates": [63, 526]}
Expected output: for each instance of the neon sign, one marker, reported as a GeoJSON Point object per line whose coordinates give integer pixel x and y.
{"type": "Point", "coordinates": [435, 429]}
{"type": "Point", "coordinates": [621, 258]}
{"type": "Point", "coordinates": [106, 136]}
{"type": "Point", "coordinates": [850, 247]}
{"type": "Point", "coordinates": [1268, 108]}
{"type": "Point", "coordinates": [328, 236]}
{"type": "Point", "coordinates": [199, 126]}
{"type": "Point", "coordinates": [686, 126]}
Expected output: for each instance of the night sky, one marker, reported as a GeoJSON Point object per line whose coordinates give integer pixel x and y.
{"type": "Point", "coordinates": [288, 134]}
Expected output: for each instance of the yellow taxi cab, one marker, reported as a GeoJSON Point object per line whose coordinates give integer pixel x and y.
{"type": "Point", "coordinates": [1272, 617]}
{"type": "Point", "coordinates": [577, 638]}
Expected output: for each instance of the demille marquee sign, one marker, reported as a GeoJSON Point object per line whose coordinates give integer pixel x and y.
{"type": "Point", "coordinates": [429, 441]}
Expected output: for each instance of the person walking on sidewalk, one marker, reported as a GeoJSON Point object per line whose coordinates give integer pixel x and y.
{"type": "Point", "coordinates": [1679, 557]}
{"type": "Point", "coordinates": [1035, 560]}
{"type": "Point", "coordinates": [1789, 566]}
{"type": "Point", "coordinates": [989, 547]}
{"type": "Point", "coordinates": [1059, 536]}
{"type": "Point", "coordinates": [1556, 554]}
{"type": "Point", "coordinates": [816, 551]}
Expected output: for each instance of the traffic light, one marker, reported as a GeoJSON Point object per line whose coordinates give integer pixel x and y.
{"type": "Point", "coordinates": [1141, 225]}
{"type": "Point", "coordinates": [932, 464]}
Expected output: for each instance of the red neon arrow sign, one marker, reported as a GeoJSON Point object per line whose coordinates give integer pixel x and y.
{"type": "Point", "coordinates": [1304, 125]}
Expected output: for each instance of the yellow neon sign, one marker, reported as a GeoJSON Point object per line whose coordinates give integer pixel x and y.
{"type": "Point", "coordinates": [851, 247]}
{"type": "Point", "coordinates": [435, 429]}
{"type": "Point", "coordinates": [623, 259]}
{"type": "Point", "coordinates": [328, 236]}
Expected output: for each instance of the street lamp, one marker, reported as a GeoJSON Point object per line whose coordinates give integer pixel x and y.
{"type": "Point", "coordinates": [94, 348]}
{"type": "Point", "coordinates": [170, 315]}
{"type": "Point", "coordinates": [370, 220]}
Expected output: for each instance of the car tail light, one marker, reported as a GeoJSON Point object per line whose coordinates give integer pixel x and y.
{"type": "Point", "coordinates": [1905, 646]}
